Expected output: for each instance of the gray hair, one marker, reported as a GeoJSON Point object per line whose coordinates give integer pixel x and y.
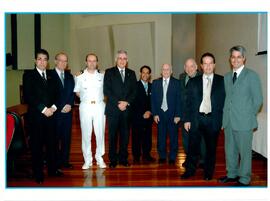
{"type": "Point", "coordinates": [120, 52]}
{"type": "Point", "coordinates": [240, 49]}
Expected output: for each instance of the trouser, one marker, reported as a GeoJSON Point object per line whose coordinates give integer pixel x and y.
{"type": "Point", "coordinates": [92, 115]}
{"type": "Point", "coordinates": [185, 141]}
{"type": "Point", "coordinates": [167, 125]}
{"type": "Point", "coordinates": [238, 153]}
{"type": "Point", "coordinates": [63, 135]}
{"type": "Point", "coordinates": [141, 139]}
{"type": "Point", "coordinates": [210, 137]}
{"type": "Point", "coordinates": [42, 133]}
{"type": "Point", "coordinates": [118, 125]}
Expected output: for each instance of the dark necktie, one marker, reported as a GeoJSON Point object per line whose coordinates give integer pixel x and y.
{"type": "Point", "coordinates": [43, 77]}
{"type": "Point", "coordinates": [234, 77]}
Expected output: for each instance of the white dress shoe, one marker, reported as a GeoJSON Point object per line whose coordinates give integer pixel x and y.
{"type": "Point", "coordinates": [101, 164]}
{"type": "Point", "coordinates": [86, 166]}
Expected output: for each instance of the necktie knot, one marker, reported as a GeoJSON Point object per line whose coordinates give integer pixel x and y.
{"type": "Point", "coordinates": [234, 77]}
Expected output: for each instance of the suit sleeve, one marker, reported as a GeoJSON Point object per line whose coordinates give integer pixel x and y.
{"type": "Point", "coordinates": [29, 92]}
{"type": "Point", "coordinates": [71, 97]}
{"type": "Point", "coordinates": [154, 98]}
{"type": "Point", "coordinates": [133, 88]}
{"type": "Point", "coordinates": [107, 88]}
{"type": "Point", "coordinates": [188, 105]}
{"type": "Point", "coordinates": [256, 91]}
{"type": "Point", "coordinates": [179, 110]}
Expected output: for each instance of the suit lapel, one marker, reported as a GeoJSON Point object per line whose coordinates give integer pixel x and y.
{"type": "Point", "coordinates": [201, 87]}
{"type": "Point", "coordinates": [213, 85]}
{"type": "Point", "coordinates": [40, 79]}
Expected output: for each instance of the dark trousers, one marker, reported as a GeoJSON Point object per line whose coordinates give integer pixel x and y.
{"type": "Point", "coordinates": [141, 139]}
{"type": "Point", "coordinates": [185, 142]}
{"type": "Point", "coordinates": [167, 125]}
{"type": "Point", "coordinates": [63, 137]}
{"type": "Point", "coordinates": [210, 136]}
{"type": "Point", "coordinates": [42, 133]}
{"type": "Point", "coordinates": [118, 125]}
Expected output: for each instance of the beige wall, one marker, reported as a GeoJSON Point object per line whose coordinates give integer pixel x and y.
{"type": "Point", "coordinates": [217, 33]}
{"type": "Point", "coordinates": [183, 40]}
{"type": "Point", "coordinates": [13, 81]}
{"type": "Point", "coordinates": [161, 30]}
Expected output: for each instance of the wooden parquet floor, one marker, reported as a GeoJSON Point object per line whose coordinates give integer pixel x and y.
{"type": "Point", "coordinates": [142, 175]}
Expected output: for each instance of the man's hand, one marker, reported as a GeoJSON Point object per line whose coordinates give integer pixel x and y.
{"type": "Point", "coordinates": [156, 119]}
{"type": "Point", "coordinates": [66, 108]}
{"type": "Point", "coordinates": [176, 120]}
{"type": "Point", "coordinates": [48, 112]}
{"type": "Point", "coordinates": [122, 105]}
{"type": "Point", "coordinates": [187, 126]}
{"type": "Point", "coordinates": [147, 115]}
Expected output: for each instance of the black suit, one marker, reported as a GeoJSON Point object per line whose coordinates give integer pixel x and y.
{"type": "Point", "coordinates": [206, 126]}
{"type": "Point", "coordinates": [115, 90]}
{"type": "Point", "coordinates": [39, 94]}
{"type": "Point", "coordinates": [141, 127]}
{"type": "Point", "coordinates": [65, 95]}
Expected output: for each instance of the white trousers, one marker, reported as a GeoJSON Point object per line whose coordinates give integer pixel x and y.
{"type": "Point", "coordinates": [92, 115]}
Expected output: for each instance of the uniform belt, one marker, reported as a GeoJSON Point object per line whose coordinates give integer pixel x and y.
{"type": "Point", "coordinates": [205, 115]}
{"type": "Point", "coordinates": [91, 102]}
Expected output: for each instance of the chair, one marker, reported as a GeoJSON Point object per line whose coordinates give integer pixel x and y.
{"type": "Point", "coordinates": [15, 141]}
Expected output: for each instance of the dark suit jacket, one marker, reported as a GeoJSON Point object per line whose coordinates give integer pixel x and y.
{"type": "Point", "coordinates": [115, 90]}
{"type": "Point", "coordinates": [37, 93]}
{"type": "Point", "coordinates": [142, 104]}
{"type": "Point", "coordinates": [195, 96]}
{"type": "Point", "coordinates": [173, 97]}
{"type": "Point", "coordinates": [65, 94]}
{"type": "Point", "coordinates": [183, 87]}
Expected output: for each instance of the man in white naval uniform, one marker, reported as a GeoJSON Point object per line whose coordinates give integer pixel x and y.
{"type": "Point", "coordinates": [89, 87]}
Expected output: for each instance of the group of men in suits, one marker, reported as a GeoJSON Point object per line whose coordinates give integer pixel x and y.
{"type": "Point", "coordinates": [49, 95]}
{"type": "Point", "coordinates": [198, 100]}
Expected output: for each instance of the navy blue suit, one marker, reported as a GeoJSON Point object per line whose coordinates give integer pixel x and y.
{"type": "Point", "coordinates": [166, 123]}
{"type": "Point", "coordinates": [141, 127]}
{"type": "Point", "coordinates": [206, 126]}
{"type": "Point", "coordinates": [65, 95]}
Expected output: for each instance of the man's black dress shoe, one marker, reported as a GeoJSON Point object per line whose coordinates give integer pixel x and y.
{"type": "Point", "coordinates": [226, 179]}
{"type": "Point", "coordinates": [136, 161]}
{"type": "Point", "coordinates": [148, 159]}
{"type": "Point", "coordinates": [171, 162]}
{"type": "Point", "coordinates": [126, 164]}
{"type": "Point", "coordinates": [68, 166]}
{"type": "Point", "coordinates": [39, 180]}
{"type": "Point", "coordinates": [161, 161]}
{"type": "Point", "coordinates": [186, 175]}
{"type": "Point", "coordinates": [57, 173]}
{"type": "Point", "coordinates": [241, 184]}
{"type": "Point", "coordinates": [112, 165]}
{"type": "Point", "coordinates": [208, 178]}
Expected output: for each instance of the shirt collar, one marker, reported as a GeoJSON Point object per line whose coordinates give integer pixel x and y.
{"type": "Point", "coordinates": [121, 69]}
{"type": "Point", "coordinates": [58, 71]}
{"type": "Point", "coordinates": [168, 79]}
{"type": "Point", "coordinates": [144, 83]}
{"type": "Point", "coordinates": [210, 76]}
{"type": "Point", "coordinates": [40, 71]}
{"type": "Point", "coordinates": [239, 70]}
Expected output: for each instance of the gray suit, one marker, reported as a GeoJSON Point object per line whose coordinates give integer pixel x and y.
{"type": "Point", "coordinates": [242, 103]}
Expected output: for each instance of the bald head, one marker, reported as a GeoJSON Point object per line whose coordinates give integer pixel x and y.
{"type": "Point", "coordinates": [190, 67]}
{"type": "Point", "coordinates": [166, 71]}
